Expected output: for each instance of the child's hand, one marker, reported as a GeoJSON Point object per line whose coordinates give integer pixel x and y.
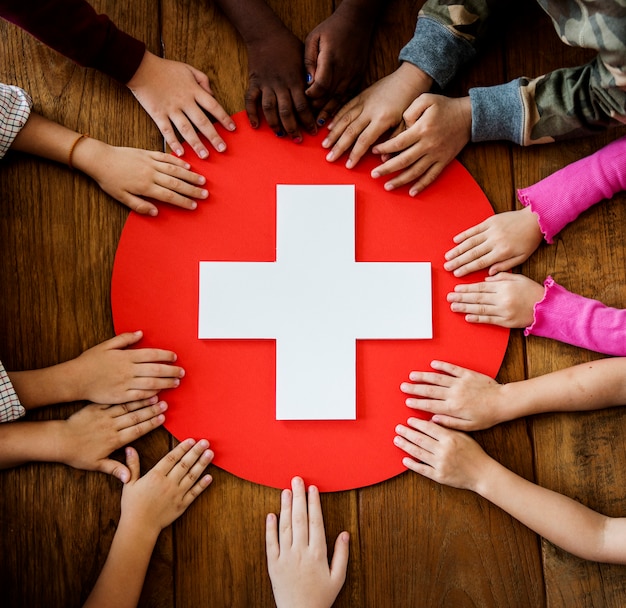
{"type": "Point", "coordinates": [128, 174]}
{"type": "Point", "coordinates": [445, 456]}
{"type": "Point", "coordinates": [335, 55]}
{"type": "Point", "coordinates": [111, 373]}
{"type": "Point", "coordinates": [176, 96]}
{"type": "Point", "coordinates": [163, 494]}
{"type": "Point", "coordinates": [372, 113]}
{"type": "Point", "coordinates": [501, 242]}
{"type": "Point", "coordinates": [296, 552]}
{"type": "Point", "coordinates": [506, 299]}
{"type": "Point", "coordinates": [437, 129]}
{"type": "Point", "coordinates": [458, 398]}
{"type": "Point", "coordinates": [90, 435]}
{"type": "Point", "coordinates": [276, 83]}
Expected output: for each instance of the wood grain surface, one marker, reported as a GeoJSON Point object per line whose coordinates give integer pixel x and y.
{"type": "Point", "coordinates": [413, 543]}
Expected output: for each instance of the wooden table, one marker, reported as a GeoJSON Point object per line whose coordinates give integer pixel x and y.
{"type": "Point", "coordinates": [414, 543]}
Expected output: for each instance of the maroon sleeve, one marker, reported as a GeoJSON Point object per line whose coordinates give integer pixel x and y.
{"type": "Point", "coordinates": [74, 29]}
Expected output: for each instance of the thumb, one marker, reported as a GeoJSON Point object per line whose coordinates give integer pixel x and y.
{"type": "Point", "coordinates": [339, 562]}
{"type": "Point", "coordinates": [311, 51]}
{"type": "Point", "coordinates": [123, 340]}
{"type": "Point", "coordinates": [115, 468]}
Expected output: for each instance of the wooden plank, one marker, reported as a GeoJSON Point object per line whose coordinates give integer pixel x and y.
{"type": "Point", "coordinates": [580, 455]}
{"type": "Point", "coordinates": [58, 236]}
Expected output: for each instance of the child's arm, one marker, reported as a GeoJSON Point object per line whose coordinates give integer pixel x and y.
{"type": "Point", "coordinates": [548, 310]}
{"type": "Point", "coordinates": [83, 441]}
{"type": "Point", "coordinates": [454, 459]}
{"type": "Point", "coordinates": [462, 399]}
{"type": "Point", "coordinates": [561, 197]}
{"type": "Point", "coordinates": [335, 55]}
{"type": "Point", "coordinates": [126, 174]}
{"type": "Point", "coordinates": [109, 372]}
{"type": "Point", "coordinates": [149, 504]}
{"type": "Point", "coordinates": [296, 552]}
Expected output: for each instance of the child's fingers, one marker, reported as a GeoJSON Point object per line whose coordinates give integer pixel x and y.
{"type": "Point", "coordinates": [272, 548]}
{"type": "Point", "coordinates": [417, 438]}
{"type": "Point", "coordinates": [210, 104]}
{"type": "Point", "coordinates": [147, 355]}
{"type": "Point", "coordinates": [122, 341]}
{"type": "Point", "coordinates": [134, 416]}
{"type": "Point", "coordinates": [188, 132]}
{"type": "Point", "coordinates": [137, 204]}
{"type": "Point", "coordinates": [184, 468]}
{"type": "Point", "coordinates": [339, 561]}
{"type": "Point", "coordinates": [317, 535]}
{"type": "Point", "coordinates": [119, 411]}
{"type": "Point", "coordinates": [203, 124]}
{"type": "Point", "coordinates": [168, 164]}
{"type": "Point", "coordinates": [132, 461]}
{"type": "Point", "coordinates": [108, 466]}
{"type": "Point", "coordinates": [172, 458]}
{"type": "Point", "coordinates": [285, 530]}
{"type": "Point", "coordinates": [157, 370]}
{"type": "Point", "coordinates": [194, 483]}
{"type": "Point", "coordinates": [299, 518]}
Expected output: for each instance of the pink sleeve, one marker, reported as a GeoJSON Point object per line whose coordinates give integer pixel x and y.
{"type": "Point", "coordinates": [570, 318]}
{"type": "Point", "coordinates": [561, 197]}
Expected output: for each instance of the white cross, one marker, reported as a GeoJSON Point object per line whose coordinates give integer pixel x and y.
{"type": "Point", "coordinates": [315, 301]}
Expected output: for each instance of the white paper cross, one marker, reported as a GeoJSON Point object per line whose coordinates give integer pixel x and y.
{"type": "Point", "coordinates": [315, 301]}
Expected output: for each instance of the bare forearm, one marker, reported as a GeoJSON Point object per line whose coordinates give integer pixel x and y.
{"type": "Point", "coordinates": [588, 386]}
{"type": "Point", "coordinates": [121, 580]}
{"type": "Point", "coordinates": [45, 138]}
{"type": "Point", "coordinates": [22, 442]}
{"type": "Point", "coordinates": [559, 519]}
{"type": "Point", "coordinates": [39, 387]}
{"type": "Point", "coordinates": [254, 19]}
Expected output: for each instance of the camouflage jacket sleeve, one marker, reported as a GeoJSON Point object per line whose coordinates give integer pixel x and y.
{"type": "Point", "coordinates": [446, 37]}
{"type": "Point", "coordinates": [567, 102]}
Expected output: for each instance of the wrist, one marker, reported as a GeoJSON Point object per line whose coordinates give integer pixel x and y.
{"type": "Point", "coordinates": [414, 78]}
{"type": "Point", "coordinates": [87, 155]}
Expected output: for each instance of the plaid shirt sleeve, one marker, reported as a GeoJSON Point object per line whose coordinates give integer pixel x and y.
{"type": "Point", "coordinates": [10, 406]}
{"type": "Point", "coordinates": [15, 105]}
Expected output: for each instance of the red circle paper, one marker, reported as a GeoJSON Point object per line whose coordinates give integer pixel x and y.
{"type": "Point", "coordinates": [228, 392]}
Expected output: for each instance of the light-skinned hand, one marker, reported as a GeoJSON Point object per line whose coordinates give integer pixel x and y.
{"type": "Point", "coordinates": [499, 243]}
{"type": "Point", "coordinates": [458, 398]}
{"type": "Point", "coordinates": [436, 128]}
{"type": "Point", "coordinates": [177, 97]}
{"type": "Point", "coordinates": [165, 491]}
{"type": "Point", "coordinates": [110, 372]}
{"type": "Point", "coordinates": [130, 174]}
{"type": "Point", "coordinates": [90, 435]}
{"type": "Point", "coordinates": [443, 455]}
{"type": "Point", "coordinates": [506, 299]}
{"type": "Point", "coordinates": [362, 121]}
{"type": "Point", "coordinates": [297, 558]}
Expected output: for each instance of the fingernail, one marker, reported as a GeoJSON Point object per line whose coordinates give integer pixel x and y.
{"type": "Point", "coordinates": [309, 78]}
{"type": "Point", "coordinates": [182, 373]}
{"type": "Point", "coordinates": [321, 122]}
{"type": "Point", "coordinates": [179, 151]}
{"type": "Point", "coordinates": [375, 174]}
{"type": "Point", "coordinates": [280, 133]}
{"type": "Point", "coordinates": [221, 147]}
{"type": "Point", "coordinates": [232, 126]}
{"type": "Point", "coordinates": [203, 154]}
{"type": "Point", "coordinates": [297, 139]}
{"type": "Point", "coordinates": [187, 166]}
{"type": "Point", "coordinates": [204, 193]}
{"type": "Point", "coordinates": [254, 124]}
{"type": "Point", "coordinates": [330, 156]}
{"type": "Point", "coordinates": [163, 406]}
{"type": "Point", "coordinates": [349, 164]}
{"type": "Point", "coordinates": [389, 187]}
{"type": "Point", "coordinates": [153, 213]}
